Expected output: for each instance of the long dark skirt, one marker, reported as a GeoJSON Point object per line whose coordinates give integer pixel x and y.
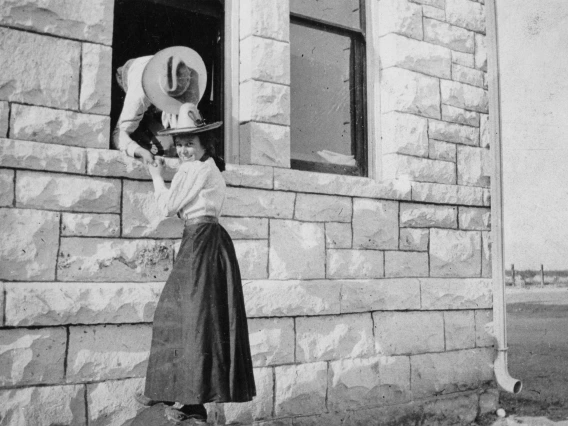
{"type": "Point", "coordinates": [200, 347]}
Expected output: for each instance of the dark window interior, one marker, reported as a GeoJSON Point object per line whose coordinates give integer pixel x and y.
{"type": "Point", "coordinates": [328, 87]}
{"type": "Point", "coordinates": [144, 27]}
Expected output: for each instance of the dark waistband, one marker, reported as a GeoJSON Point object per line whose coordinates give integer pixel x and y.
{"type": "Point", "coordinates": [201, 219]}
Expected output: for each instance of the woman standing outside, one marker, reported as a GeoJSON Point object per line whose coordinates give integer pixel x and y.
{"type": "Point", "coordinates": [200, 349]}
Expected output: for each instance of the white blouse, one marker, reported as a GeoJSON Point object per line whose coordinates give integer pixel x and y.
{"type": "Point", "coordinates": [197, 189]}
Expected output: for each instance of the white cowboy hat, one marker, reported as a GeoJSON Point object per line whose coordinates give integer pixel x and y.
{"type": "Point", "coordinates": [174, 76]}
{"type": "Point", "coordinates": [189, 121]}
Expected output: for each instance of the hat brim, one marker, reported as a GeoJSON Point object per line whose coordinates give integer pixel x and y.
{"type": "Point", "coordinates": [190, 130]}
{"type": "Point", "coordinates": [158, 66]}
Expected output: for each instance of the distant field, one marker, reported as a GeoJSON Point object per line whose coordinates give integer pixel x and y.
{"type": "Point", "coordinates": [532, 277]}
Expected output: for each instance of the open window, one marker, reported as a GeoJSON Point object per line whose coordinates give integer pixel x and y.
{"type": "Point", "coordinates": [144, 27]}
{"type": "Point", "coordinates": [328, 117]}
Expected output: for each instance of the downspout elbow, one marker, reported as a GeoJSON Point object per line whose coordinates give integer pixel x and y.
{"type": "Point", "coordinates": [504, 380]}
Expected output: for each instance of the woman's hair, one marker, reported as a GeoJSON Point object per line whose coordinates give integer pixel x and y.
{"type": "Point", "coordinates": [208, 141]}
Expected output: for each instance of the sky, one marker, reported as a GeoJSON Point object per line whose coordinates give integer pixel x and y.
{"type": "Point", "coordinates": [533, 55]}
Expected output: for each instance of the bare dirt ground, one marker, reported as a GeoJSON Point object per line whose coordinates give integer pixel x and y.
{"type": "Point", "coordinates": [537, 328]}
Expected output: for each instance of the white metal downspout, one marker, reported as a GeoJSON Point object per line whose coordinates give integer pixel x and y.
{"type": "Point", "coordinates": [500, 368]}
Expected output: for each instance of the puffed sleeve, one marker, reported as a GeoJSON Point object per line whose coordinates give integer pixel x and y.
{"type": "Point", "coordinates": [187, 182]}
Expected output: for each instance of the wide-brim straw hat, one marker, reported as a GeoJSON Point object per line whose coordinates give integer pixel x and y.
{"type": "Point", "coordinates": [174, 76]}
{"type": "Point", "coordinates": [189, 121]}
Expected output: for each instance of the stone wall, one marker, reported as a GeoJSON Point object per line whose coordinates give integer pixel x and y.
{"type": "Point", "coordinates": [366, 300]}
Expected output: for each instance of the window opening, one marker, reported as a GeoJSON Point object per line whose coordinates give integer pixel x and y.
{"type": "Point", "coordinates": [328, 116]}
{"type": "Point", "coordinates": [144, 27]}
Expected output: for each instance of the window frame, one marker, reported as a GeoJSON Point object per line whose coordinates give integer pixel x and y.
{"type": "Point", "coordinates": [358, 89]}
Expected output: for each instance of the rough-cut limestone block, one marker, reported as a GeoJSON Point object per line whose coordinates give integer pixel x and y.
{"type": "Point", "coordinates": [89, 20]}
{"type": "Point", "coordinates": [253, 258]}
{"type": "Point", "coordinates": [29, 244]}
{"type": "Point", "coordinates": [353, 383]}
{"type": "Point", "coordinates": [96, 78]}
{"type": "Point", "coordinates": [245, 228]}
{"type": "Point", "coordinates": [408, 91]}
{"type": "Point", "coordinates": [394, 376]}
{"type": "Point", "coordinates": [486, 197]}
{"type": "Point", "coordinates": [326, 183]}
{"type": "Point", "coordinates": [484, 131]}
{"type": "Point", "coordinates": [260, 408]}
{"type": "Point", "coordinates": [414, 239]}
{"type": "Point", "coordinates": [404, 134]}
{"type": "Point", "coordinates": [489, 401]}
{"type": "Point", "coordinates": [142, 217]}
{"type": "Point", "coordinates": [460, 116]}
{"type": "Point", "coordinates": [265, 102]}
{"type": "Point", "coordinates": [323, 208]}
{"type": "Point", "coordinates": [375, 224]}
{"type": "Point", "coordinates": [263, 18]}
{"type": "Point", "coordinates": [2, 301]}
{"type": "Point", "coordinates": [356, 264]}
{"type": "Point", "coordinates": [41, 156]}
{"type": "Point", "coordinates": [455, 253]}
{"type": "Point", "coordinates": [480, 52]}
{"type": "Point", "coordinates": [258, 203]}
{"type": "Point", "coordinates": [475, 219]}
{"type": "Point", "coordinates": [459, 329]}
{"type": "Point", "coordinates": [427, 216]}
{"type": "Point", "coordinates": [486, 263]}
{"type": "Point", "coordinates": [338, 235]}
{"type": "Point", "coordinates": [108, 352]}
{"type": "Point", "coordinates": [438, 4]}
{"type": "Point", "coordinates": [466, 14]}
{"type": "Point", "coordinates": [32, 356]}
{"type": "Point", "coordinates": [43, 406]}
{"type": "Point", "coordinates": [64, 192]}
{"type": "Point", "coordinates": [484, 328]}
{"type": "Point", "coordinates": [55, 83]}
{"type": "Point", "coordinates": [409, 332]}
{"type": "Point", "coordinates": [415, 55]}
{"type": "Point", "coordinates": [265, 59]}
{"type": "Point", "coordinates": [464, 96]}
{"type": "Point", "coordinates": [271, 341]}
{"type": "Point", "coordinates": [112, 403]}
{"type": "Point", "coordinates": [452, 132]}
{"type": "Point", "coordinates": [60, 127]}
{"type": "Point", "coordinates": [400, 17]}
{"type": "Point", "coordinates": [468, 75]}
{"type": "Point", "coordinates": [473, 166]}
{"type": "Point", "coordinates": [447, 194]}
{"type": "Point", "coordinates": [300, 389]}
{"type": "Point", "coordinates": [4, 119]}
{"type": "Point", "coordinates": [433, 12]}
{"type": "Point", "coordinates": [297, 250]}
{"type": "Point", "coordinates": [406, 264]}
{"type": "Point", "coordinates": [107, 162]}
{"type": "Point", "coordinates": [444, 151]}
{"type": "Point", "coordinates": [291, 298]}
{"type": "Point", "coordinates": [114, 260]}
{"type": "Point", "coordinates": [409, 168]}
{"type": "Point", "coordinates": [384, 294]}
{"type": "Point", "coordinates": [461, 409]}
{"type": "Point", "coordinates": [250, 176]}
{"type": "Point", "coordinates": [90, 225]}
{"type": "Point", "coordinates": [46, 304]}
{"type": "Point", "coordinates": [447, 35]}
{"type": "Point", "coordinates": [334, 337]}
{"type": "Point", "coordinates": [265, 144]}
{"type": "Point", "coordinates": [449, 372]}
{"type": "Point", "coordinates": [464, 59]}
{"type": "Point", "coordinates": [7, 187]}
{"type": "Point", "coordinates": [452, 293]}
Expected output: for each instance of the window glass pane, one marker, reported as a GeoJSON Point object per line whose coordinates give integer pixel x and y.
{"type": "Point", "coordinates": [342, 12]}
{"type": "Point", "coordinates": [320, 95]}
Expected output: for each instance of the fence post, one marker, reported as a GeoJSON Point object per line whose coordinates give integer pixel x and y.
{"type": "Point", "coordinates": [513, 273]}
{"type": "Point", "coordinates": [542, 275]}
